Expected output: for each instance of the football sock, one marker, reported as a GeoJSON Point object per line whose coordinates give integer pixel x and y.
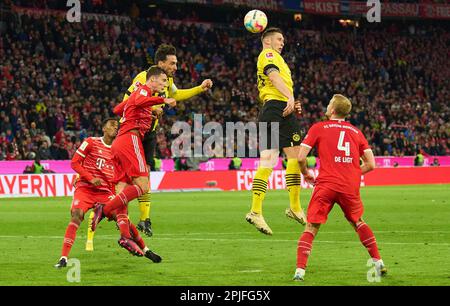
{"type": "Point", "coordinates": [259, 188]}
{"type": "Point", "coordinates": [368, 240]}
{"type": "Point", "coordinates": [144, 206]}
{"type": "Point", "coordinates": [293, 184]}
{"type": "Point", "coordinates": [69, 238]}
{"type": "Point", "coordinates": [121, 200]}
{"type": "Point", "coordinates": [304, 249]}
{"type": "Point", "coordinates": [90, 232]}
{"type": "Point", "coordinates": [136, 237]}
{"type": "Point", "coordinates": [123, 224]}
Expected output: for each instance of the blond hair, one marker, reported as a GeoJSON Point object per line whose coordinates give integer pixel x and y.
{"type": "Point", "coordinates": [342, 105]}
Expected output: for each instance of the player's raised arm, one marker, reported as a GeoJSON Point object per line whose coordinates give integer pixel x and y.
{"type": "Point", "coordinates": [185, 94]}
{"type": "Point", "coordinates": [369, 161]}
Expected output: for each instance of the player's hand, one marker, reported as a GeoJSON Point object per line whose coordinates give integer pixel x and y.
{"type": "Point", "coordinates": [298, 107]}
{"type": "Point", "coordinates": [77, 178]}
{"type": "Point", "coordinates": [96, 181]}
{"type": "Point", "coordinates": [157, 112]}
{"type": "Point", "coordinates": [309, 178]}
{"type": "Point", "coordinates": [207, 84]}
{"type": "Point", "coordinates": [170, 101]}
{"type": "Point", "coordinates": [290, 107]}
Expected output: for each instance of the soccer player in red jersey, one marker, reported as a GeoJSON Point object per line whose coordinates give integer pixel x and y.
{"type": "Point", "coordinates": [93, 163]}
{"type": "Point", "coordinates": [340, 146]}
{"type": "Point", "coordinates": [131, 172]}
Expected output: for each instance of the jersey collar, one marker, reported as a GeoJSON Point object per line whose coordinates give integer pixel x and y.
{"type": "Point", "coordinates": [108, 146]}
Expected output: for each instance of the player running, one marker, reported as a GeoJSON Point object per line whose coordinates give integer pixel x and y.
{"type": "Point", "coordinates": [131, 172]}
{"type": "Point", "coordinates": [276, 92]}
{"type": "Point", "coordinates": [340, 146]}
{"type": "Point", "coordinates": [93, 163]}
{"type": "Point", "coordinates": [166, 59]}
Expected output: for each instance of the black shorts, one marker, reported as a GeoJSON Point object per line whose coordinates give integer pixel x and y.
{"type": "Point", "coordinates": [149, 144]}
{"type": "Point", "coordinates": [289, 132]}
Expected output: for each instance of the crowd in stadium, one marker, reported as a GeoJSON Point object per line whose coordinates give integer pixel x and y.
{"type": "Point", "coordinates": [59, 80]}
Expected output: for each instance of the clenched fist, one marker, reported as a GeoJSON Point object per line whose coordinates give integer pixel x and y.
{"type": "Point", "coordinates": [207, 84]}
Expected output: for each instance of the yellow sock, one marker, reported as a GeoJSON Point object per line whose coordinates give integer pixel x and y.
{"type": "Point", "coordinates": [90, 233]}
{"type": "Point", "coordinates": [259, 188]}
{"type": "Point", "coordinates": [293, 184]}
{"type": "Point", "coordinates": [144, 206]}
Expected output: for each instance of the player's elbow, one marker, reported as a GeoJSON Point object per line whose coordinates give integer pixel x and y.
{"type": "Point", "coordinates": [370, 166]}
{"type": "Point", "coordinates": [73, 165]}
{"type": "Point", "coordinates": [301, 159]}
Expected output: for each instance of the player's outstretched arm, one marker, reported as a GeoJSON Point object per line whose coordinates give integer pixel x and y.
{"type": "Point", "coordinates": [277, 81]}
{"type": "Point", "coordinates": [185, 94]}
{"type": "Point", "coordinates": [369, 161]}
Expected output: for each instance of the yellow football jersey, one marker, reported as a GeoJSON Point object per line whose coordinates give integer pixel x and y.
{"type": "Point", "coordinates": [270, 59]}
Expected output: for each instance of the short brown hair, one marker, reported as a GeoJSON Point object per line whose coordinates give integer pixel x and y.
{"type": "Point", "coordinates": [105, 121]}
{"type": "Point", "coordinates": [154, 70]}
{"type": "Point", "coordinates": [270, 31]}
{"type": "Point", "coordinates": [163, 51]}
{"type": "Point", "coordinates": [342, 105]}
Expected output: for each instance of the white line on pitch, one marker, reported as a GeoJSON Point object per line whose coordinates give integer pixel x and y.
{"type": "Point", "coordinates": [270, 240]}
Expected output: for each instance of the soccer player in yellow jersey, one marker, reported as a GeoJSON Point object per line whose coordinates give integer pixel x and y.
{"type": "Point", "coordinates": [276, 92]}
{"type": "Point", "coordinates": [165, 58]}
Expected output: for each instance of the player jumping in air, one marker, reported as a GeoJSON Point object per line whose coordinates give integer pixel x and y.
{"type": "Point", "coordinates": [131, 172]}
{"type": "Point", "coordinates": [276, 93]}
{"type": "Point", "coordinates": [166, 59]}
{"type": "Point", "coordinates": [340, 146]}
{"type": "Point", "coordinates": [93, 163]}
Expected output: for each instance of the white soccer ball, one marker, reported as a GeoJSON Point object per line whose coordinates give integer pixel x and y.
{"type": "Point", "coordinates": [255, 21]}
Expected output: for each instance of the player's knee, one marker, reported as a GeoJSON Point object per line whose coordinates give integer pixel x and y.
{"type": "Point", "coordinates": [77, 216]}
{"type": "Point", "coordinates": [313, 228]}
{"type": "Point", "coordinates": [144, 186]}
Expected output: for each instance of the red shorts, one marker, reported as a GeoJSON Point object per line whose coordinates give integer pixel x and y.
{"type": "Point", "coordinates": [129, 158]}
{"type": "Point", "coordinates": [323, 199]}
{"type": "Point", "coordinates": [85, 198]}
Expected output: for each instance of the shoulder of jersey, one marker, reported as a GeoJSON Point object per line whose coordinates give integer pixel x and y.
{"type": "Point", "coordinates": [141, 75]}
{"type": "Point", "coordinates": [269, 54]}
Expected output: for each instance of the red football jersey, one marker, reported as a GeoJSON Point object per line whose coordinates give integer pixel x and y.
{"type": "Point", "coordinates": [136, 111]}
{"type": "Point", "coordinates": [340, 146]}
{"type": "Point", "coordinates": [96, 159]}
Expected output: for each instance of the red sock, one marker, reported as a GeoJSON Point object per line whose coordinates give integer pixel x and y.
{"type": "Point", "coordinates": [136, 237]}
{"type": "Point", "coordinates": [122, 222]}
{"type": "Point", "coordinates": [128, 194]}
{"type": "Point", "coordinates": [69, 238]}
{"type": "Point", "coordinates": [304, 249]}
{"type": "Point", "coordinates": [368, 240]}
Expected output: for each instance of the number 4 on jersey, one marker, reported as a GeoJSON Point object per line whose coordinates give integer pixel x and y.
{"type": "Point", "coordinates": [343, 146]}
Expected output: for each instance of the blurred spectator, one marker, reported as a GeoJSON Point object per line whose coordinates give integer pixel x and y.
{"type": "Point", "coordinates": [44, 152]}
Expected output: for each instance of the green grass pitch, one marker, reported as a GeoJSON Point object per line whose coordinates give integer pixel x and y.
{"type": "Point", "coordinates": [205, 240]}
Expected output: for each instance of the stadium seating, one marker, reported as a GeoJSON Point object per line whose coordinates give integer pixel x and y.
{"type": "Point", "coordinates": [58, 80]}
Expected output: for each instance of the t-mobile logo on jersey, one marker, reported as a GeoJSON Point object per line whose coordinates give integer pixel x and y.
{"type": "Point", "coordinates": [100, 163]}
{"type": "Point", "coordinates": [374, 13]}
{"type": "Point", "coordinates": [74, 13]}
